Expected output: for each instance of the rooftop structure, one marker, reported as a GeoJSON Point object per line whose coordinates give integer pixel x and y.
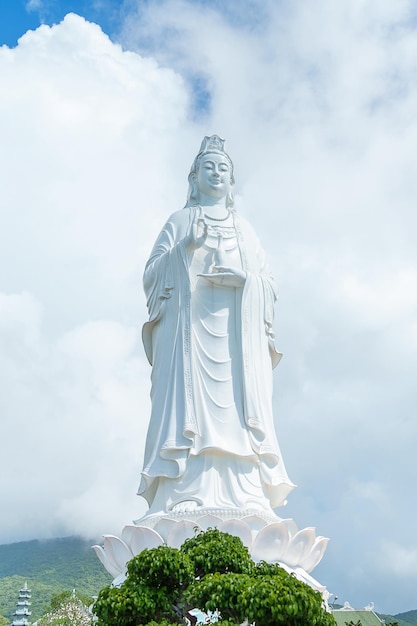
{"type": "Point", "coordinates": [349, 615]}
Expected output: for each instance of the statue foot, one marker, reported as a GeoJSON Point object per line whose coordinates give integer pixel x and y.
{"type": "Point", "coordinates": [187, 505]}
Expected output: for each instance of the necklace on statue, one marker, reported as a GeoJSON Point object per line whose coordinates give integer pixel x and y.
{"type": "Point", "coordinates": [217, 219]}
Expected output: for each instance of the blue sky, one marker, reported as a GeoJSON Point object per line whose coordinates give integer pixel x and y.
{"type": "Point", "coordinates": [17, 16]}
{"type": "Point", "coordinates": [101, 113]}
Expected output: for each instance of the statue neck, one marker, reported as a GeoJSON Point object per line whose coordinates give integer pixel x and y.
{"type": "Point", "coordinates": [216, 207]}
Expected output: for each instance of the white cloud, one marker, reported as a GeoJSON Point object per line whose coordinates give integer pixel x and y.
{"type": "Point", "coordinates": [65, 405]}
{"type": "Point", "coordinates": [317, 103]}
{"type": "Point", "coordinates": [88, 128]}
{"type": "Point", "coordinates": [34, 5]}
{"type": "Point", "coordinates": [402, 559]}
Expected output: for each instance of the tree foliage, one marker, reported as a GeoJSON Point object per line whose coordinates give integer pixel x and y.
{"type": "Point", "coordinates": [213, 570]}
{"type": "Point", "coordinates": [58, 599]}
{"type": "Point", "coordinates": [152, 591]}
{"type": "Point", "coordinates": [214, 551]}
{"type": "Point", "coordinates": [71, 613]}
{"type": "Point", "coordinates": [279, 600]}
{"type": "Point", "coordinates": [67, 609]}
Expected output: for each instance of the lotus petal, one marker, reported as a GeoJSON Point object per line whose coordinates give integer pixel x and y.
{"type": "Point", "coordinates": [238, 529]}
{"type": "Point", "coordinates": [209, 521]}
{"type": "Point", "coordinates": [255, 522]}
{"type": "Point", "coordinates": [271, 543]}
{"type": "Point", "coordinates": [119, 580]}
{"type": "Point", "coordinates": [286, 567]}
{"type": "Point", "coordinates": [163, 526]}
{"type": "Point", "coordinates": [291, 525]}
{"type": "Point", "coordinates": [141, 537]}
{"type": "Point", "coordinates": [180, 532]}
{"type": "Point", "coordinates": [309, 580]}
{"type": "Point", "coordinates": [309, 562]}
{"type": "Point", "coordinates": [117, 553]}
{"type": "Point", "coordinates": [112, 569]}
{"type": "Point", "coordinates": [299, 547]}
{"type": "Point", "coordinates": [127, 533]}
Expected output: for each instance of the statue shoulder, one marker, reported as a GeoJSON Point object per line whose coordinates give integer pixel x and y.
{"type": "Point", "coordinates": [180, 219]}
{"type": "Point", "coordinates": [246, 227]}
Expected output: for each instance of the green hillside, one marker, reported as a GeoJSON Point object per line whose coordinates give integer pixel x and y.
{"type": "Point", "coordinates": [49, 567]}
{"type": "Point", "coordinates": [396, 619]}
{"type": "Point", "coordinates": [407, 618]}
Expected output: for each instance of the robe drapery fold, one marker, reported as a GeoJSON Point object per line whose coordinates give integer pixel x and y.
{"type": "Point", "coordinates": [181, 429]}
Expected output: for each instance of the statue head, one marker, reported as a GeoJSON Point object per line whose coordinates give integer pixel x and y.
{"type": "Point", "coordinates": [210, 145]}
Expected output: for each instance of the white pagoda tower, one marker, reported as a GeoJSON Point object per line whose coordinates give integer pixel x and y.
{"type": "Point", "coordinates": [21, 616]}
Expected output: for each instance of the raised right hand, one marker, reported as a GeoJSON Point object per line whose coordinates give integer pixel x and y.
{"type": "Point", "coordinates": [196, 235]}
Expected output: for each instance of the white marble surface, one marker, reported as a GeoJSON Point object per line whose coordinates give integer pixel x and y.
{"type": "Point", "coordinates": [211, 441]}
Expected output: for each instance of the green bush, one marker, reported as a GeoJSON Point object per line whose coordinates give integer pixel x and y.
{"type": "Point", "coordinates": [161, 568]}
{"type": "Point", "coordinates": [58, 599]}
{"type": "Point", "coordinates": [213, 551]}
{"type": "Point", "coordinates": [279, 600]}
{"type": "Point", "coordinates": [152, 591]}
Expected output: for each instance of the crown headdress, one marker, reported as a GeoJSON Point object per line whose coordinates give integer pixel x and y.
{"type": "Point", "coordinates": [212, 144]}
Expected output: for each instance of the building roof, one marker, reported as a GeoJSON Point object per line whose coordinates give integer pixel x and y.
{"type": "Point", "coordinates": [366, 617]}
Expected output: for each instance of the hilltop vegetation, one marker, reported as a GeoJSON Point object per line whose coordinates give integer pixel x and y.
{"type": "Point", "coordinates": [409, 618]}
{"type": "Point", "coordinates": [49, 567]}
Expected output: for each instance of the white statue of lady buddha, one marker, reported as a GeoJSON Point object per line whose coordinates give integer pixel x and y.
{"type": "Point", "coordinates": [211, 442]}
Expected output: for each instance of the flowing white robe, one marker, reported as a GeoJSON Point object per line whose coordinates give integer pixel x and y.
{"type": "Point", "coordinates": [211, 437]}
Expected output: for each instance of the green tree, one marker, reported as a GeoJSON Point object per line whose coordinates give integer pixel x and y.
{"type": "Point", "coordinates": [4, 621]}
{"type": "Point", "coordinates": [58, 599]}
{"type": "Point", "coordinates": [213, 551]}
{"type": "Point", "coordinates": [67, 609]}
{"type": "Point", "coordinates": [71, 613]}
{"type": "Point", "coordinates": [279, 600]}
{"type": "Point", "coordinates": [152, 591]}
{"type": "Point", "coordinates": [213, 570]}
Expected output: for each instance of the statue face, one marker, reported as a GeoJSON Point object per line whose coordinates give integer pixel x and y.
{"type": "Point", "coordinates": [213, 175]}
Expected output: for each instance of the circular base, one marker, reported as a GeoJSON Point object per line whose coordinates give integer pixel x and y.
{"type": "Point", "coordinates": [193, 515]}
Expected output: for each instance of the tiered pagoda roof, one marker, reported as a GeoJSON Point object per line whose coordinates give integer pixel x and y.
{"type": "Point", "coordinates": [21, 616]}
